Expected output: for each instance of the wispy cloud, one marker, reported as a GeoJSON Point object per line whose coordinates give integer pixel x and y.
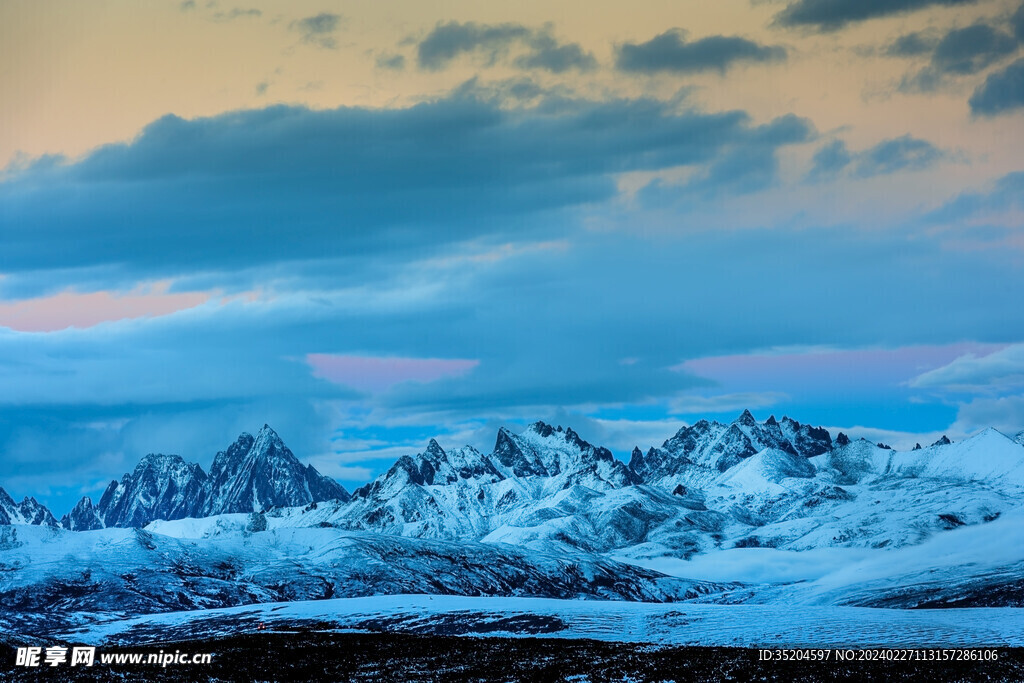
{"type": "Point", "coordinates": [319, 29]}
{"type": "Point", "coordinates": [671, 52]}
{"type": "Point", "coordinates": [831, 15]}
{"type": "Point", "coordinates": [541, 50]}
{"type": "Point", "coordinates": [375, 373]}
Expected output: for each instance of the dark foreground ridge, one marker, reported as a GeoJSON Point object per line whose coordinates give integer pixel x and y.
{"type": "Point", "coordinates": [334, 657]}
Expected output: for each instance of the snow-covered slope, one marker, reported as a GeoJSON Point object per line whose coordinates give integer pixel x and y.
{"type": "Point", "coordinates": [751, 626]}
{"type": "Point", "coordinates": [53, 574]}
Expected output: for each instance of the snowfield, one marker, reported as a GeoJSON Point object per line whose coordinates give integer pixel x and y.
{"type": "Point", "coordinates": [657, 624]}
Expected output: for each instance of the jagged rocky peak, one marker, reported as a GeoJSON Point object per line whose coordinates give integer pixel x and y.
{"type": "Point", "coordinates": [520, 461]}
{"type": "Point", "coordinates": [1020, 437]}
{"type": "Point", "coordinates": [747, 419]}
{"type": "Point", "coordinates": [255, 474]}
{"type": "Point", "coordinates": [83, 517]}
{"type": "Point", "coordinates": [564, 452]}
{"type": "Point", "coordinates": [716, 446]}
{"type": "Point", "coordinates": [944, 441]}
{"type": "Point", "coordinates": [28, 511]}
{"type": "Point", "coordinates": [636, 459]}
{"type": "Point", "coordinates": [435, 466]}
{"type": "Point", "coordinates": [161, 487]}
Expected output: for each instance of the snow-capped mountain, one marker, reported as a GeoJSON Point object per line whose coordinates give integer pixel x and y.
{"type": "Point", "coordinates": [255, 474]}
{"type": "Point", "coordinates": [28, 511]}
{"type": "Point", "coordinates": [251, 475]}
{"type": "Point", "coordinates": [161, 487]}
{"type": "Point", "coordinates": [696, 454]}
{"type": "Point", "coordinates": [544, 514]}
{"type": "Point", "coordinates": [465, 494]}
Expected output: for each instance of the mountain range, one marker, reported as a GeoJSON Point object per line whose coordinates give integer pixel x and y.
{"type": "Point", "coordinates": [544, 514]}
{"type": "Point", "coordinates": [253, 474]}
{"type": "Point", "coordinates": [708, 486]}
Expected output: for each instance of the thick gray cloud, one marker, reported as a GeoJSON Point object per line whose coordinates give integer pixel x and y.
{"type": "Point", "coordinates": [959, 52]}
{"type": "Point", "coordinates": [969, 50]}
{"type": "Point", "coordinates": [252, 188]}
{"type": "Point", "coordinates": [829, 160]}
{"type": "Point", "coordinates": [450, 40]}
{"type": "Point", "coordinates": [1017, 22]}
{"type": "Point", "coordinates": [548, 54]}
{"type": "Point", "coordinates": [831, 15]}
{"type": "Point", "coordinates": [905, 153]}
{"type": "Point", "coordinates": [319, 29]}
{"type": "Point", "coordinates": [671, 52]}
{"type": "Point", "coordinates": [1001, 92]}
{"type": "Point", "coordinates": [912, 44]}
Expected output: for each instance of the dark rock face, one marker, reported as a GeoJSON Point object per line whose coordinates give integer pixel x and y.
{"type": "Point", "coordinates": [161, 487]}
{"type": "Point", "coordinates": [83, 517]}
{"type": "Point", "coordinates": [255, 474]}
{"type": "Point", "coordinates": [507, 451]}
{"type": "Point", "coordinates": [944, 441]}
{"type": "Point", "coordinates": [252, 475]}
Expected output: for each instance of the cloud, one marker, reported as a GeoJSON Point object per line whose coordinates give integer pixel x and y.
{"type": "Point", "coordinates": [319, 29]}
{"type": "Point", "coordinates": [960, 52]}
{"type": "Point", "coordinates": [829, 160]}
{"type": "Point", "coordinates": [187, 5]}
{"type": "Point", "coordinates": [447, 41]}
{"type": "Point", "coordinates": [549, 327]}
{"type": "Point", "coordinates": [1001, 92]}
{"type": "Point", "coordinates": [1005, 413]}
{"type": "Point", "coordinates": [1001, 371]}
{"type": "Point", "coordinates": [831, 15]}
{"type": "Point", "coordinates": [969, 50]}
{"type": "Point", "coordinates": [236, 13]}
{"type": "Point", "coordinates": [912, 44]}
{"type": "Point", "coordinates": [687, 404]}
{"type": "Point", "coordinates": [71, 309]}
{"type": "Point", "coordinates": [550, 55]}
{"type": "Point", "coordinates": [905, 153]}
{"type": "Point", "coordinates": [1005, 194]}
{"type": "Point", "coordinates": [376, 374]}
{"type": "Point", "coordinates": [395, 62]}
{"type": "Point", "coordinates": [233, 191]}
{"type": "Point", "coordinates": [669, 52]}
{"type": "Point", "coordinates": [1017, 22]}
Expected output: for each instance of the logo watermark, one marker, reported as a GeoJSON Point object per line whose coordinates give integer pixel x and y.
{"type": "Point", "coordinates": [86, 656]}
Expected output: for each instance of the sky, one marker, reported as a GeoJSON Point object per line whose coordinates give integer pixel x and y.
{"type": "Point", "coordinates": [369, 224]}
